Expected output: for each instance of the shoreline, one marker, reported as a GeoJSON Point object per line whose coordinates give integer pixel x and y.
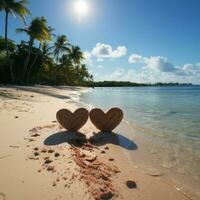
{"type": "Point", "coordinates": [27, 111]}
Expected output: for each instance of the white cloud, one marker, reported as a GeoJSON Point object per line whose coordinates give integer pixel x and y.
{"type": "Point", "coordinates": [160, 63]}
{"type": "Point", "coordinates": [136, 58]}
{"type": "Point", "coordinates": [102, 50]}
{"type": "Point", "coordinates": [154, 62]}
{"type": "Point", "coordinates": [188, 73]}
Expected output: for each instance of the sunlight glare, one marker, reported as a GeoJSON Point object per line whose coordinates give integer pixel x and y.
{"type": "Point", "coordinates": [81, 7]}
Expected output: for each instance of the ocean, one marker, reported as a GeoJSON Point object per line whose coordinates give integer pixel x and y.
{"type": "Point", "coordinates": [167, 120]}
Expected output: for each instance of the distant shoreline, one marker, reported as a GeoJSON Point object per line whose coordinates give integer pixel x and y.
{"type": "Point", "coordinates": [132, 84]}
{"type": "Point", "coordinates": [112, 84]}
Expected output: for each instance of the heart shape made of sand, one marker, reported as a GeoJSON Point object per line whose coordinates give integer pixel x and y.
{"type": "Point", "coordinates": [106, 122]}
{"type": "Point", "coordinates": [72, 121]}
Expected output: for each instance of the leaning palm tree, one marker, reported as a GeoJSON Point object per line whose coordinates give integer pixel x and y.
{"type": "Point", "coordinates": [15, 8]}
{"type": "Point", "coordinates": [61, 46]}
{"type": "Point", "coordinates": [76, 54]}
{"type": "Point", "coordinates": [38, 30]}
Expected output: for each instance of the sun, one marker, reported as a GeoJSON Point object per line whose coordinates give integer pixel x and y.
{"type": "Point", "coordinates": [81, 7]}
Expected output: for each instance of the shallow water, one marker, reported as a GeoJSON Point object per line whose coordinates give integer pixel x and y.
{"type": "Point", "coordinates": [168, 118]}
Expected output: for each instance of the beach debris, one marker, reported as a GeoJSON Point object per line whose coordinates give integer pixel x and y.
{"type": "Point", "coordinates": [56, 154]}
{"type": "Point", "coordinates": [44, 150]}
{"type": "Point", "coordinates": [54, 121]}
{"type": "Point", "coordinates": [54, 184]}
{"type": "Point", "coordinates": [35, 135]}
{"type": "Point", "coordinates": [131, 184]}
{"type": "Point", "coordinates": [58, 179]}
{"type": "Point", "coordinates": [106, 196]}
{"type": "Point", "coordinates": [36, 154]}
{"type": "Point", "coordinates": [47, 161]}
{"type": "Point", "coordinates": [95, 173]}
{"type": "Point", "coordinates": [50, 168]}
{"type": "Point", "coordinates": [106, 148]}
{"type": "Point", "coordinates": [50, 151]}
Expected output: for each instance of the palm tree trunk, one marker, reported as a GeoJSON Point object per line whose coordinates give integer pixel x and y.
{"type": "Point", "coordinates": [27, 59]}
{"type": "Point", "coordinates": [7, 50]}
{"type": "Point", "coordinates": [6, 34]}
{"type": "Point", "coordinates": [33, 63]}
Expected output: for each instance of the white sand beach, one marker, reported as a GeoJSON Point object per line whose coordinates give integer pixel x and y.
{"type": "Point", "coordinates": [40, 160]}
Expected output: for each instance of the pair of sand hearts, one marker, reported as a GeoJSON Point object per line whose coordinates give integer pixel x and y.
{"type": "Point", "coordinates": [103, 121]}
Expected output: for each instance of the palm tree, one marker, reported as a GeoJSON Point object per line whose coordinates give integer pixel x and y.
{"type": "Point", "coordinates": [38, 30]}
{"type": "Point", "coordinates": [61, 46]}
{"type": "Point", "coordinates": [15, 8]}
{"type": "Point", "coordinates": [41, 50]}
{"type": "Point", "coordinates": [76, 54]}
{"type": "Point", "coordinates": [45, 51]}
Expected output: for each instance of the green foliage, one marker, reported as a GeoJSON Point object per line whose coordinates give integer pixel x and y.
{"type": "Point", "coordinates": [11, 45]}
{"type": "Point", "coordinates": [26, 63]}
{"type": "Point", "coordinates": [38, 30]}
{"type": "Point", "coordinates": [15, 8]}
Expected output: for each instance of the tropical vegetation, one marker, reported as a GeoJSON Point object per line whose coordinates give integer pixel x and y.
{"type": "Point", "coordinates": [44, 58]}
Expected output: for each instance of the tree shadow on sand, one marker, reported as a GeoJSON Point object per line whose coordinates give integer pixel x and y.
{"type": "Point", "coordinates": [99, 139]}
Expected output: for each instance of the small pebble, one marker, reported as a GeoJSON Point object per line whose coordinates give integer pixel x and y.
{"type": "Point", "coordinates": [103, 152]}
{"type": "Point", "coordinates": [106, 196]}
{"type": "Point", "coordinates": [54, 184]}
{"type": "Point", "coordinates": [131, 184]}
{"type": "Point", "coordinates": [44, 151]}
{"type": "Point", "coordinates": [50, 151]}
{"type": "Point", "coordinates": [47, 161]}
{"type": "Point", "coordinates": [50, 168]}
{"type": "Point", "coordinates": [36, 154]}
{"type": "Point", "coordinates": [56, 154]}
{"type": "Point", "coordinates": [106, 147]}
{"type": "Point", "coordinates": [111, 159]}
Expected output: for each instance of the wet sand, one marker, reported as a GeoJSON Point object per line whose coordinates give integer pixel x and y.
{"type": "Point", "coordinates": [40, 160]}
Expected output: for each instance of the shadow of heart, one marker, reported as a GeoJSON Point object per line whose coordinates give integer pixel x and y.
{"type": "Point", "coordinates": [103, 138]}
{"type": "Point", "coordinates": [76, 138]}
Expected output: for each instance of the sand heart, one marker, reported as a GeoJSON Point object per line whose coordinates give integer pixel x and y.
{"type": "Point", "coordinates": [72, 121]}
{"type": "Point", "coordinates": [106, 121]}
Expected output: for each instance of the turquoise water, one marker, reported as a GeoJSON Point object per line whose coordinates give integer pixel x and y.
{"type": "Point", "coordinates": [166, 116]}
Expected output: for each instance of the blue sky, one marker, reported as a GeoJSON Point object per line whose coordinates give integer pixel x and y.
{"type": "Point", "coordinates": [134, 40]}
